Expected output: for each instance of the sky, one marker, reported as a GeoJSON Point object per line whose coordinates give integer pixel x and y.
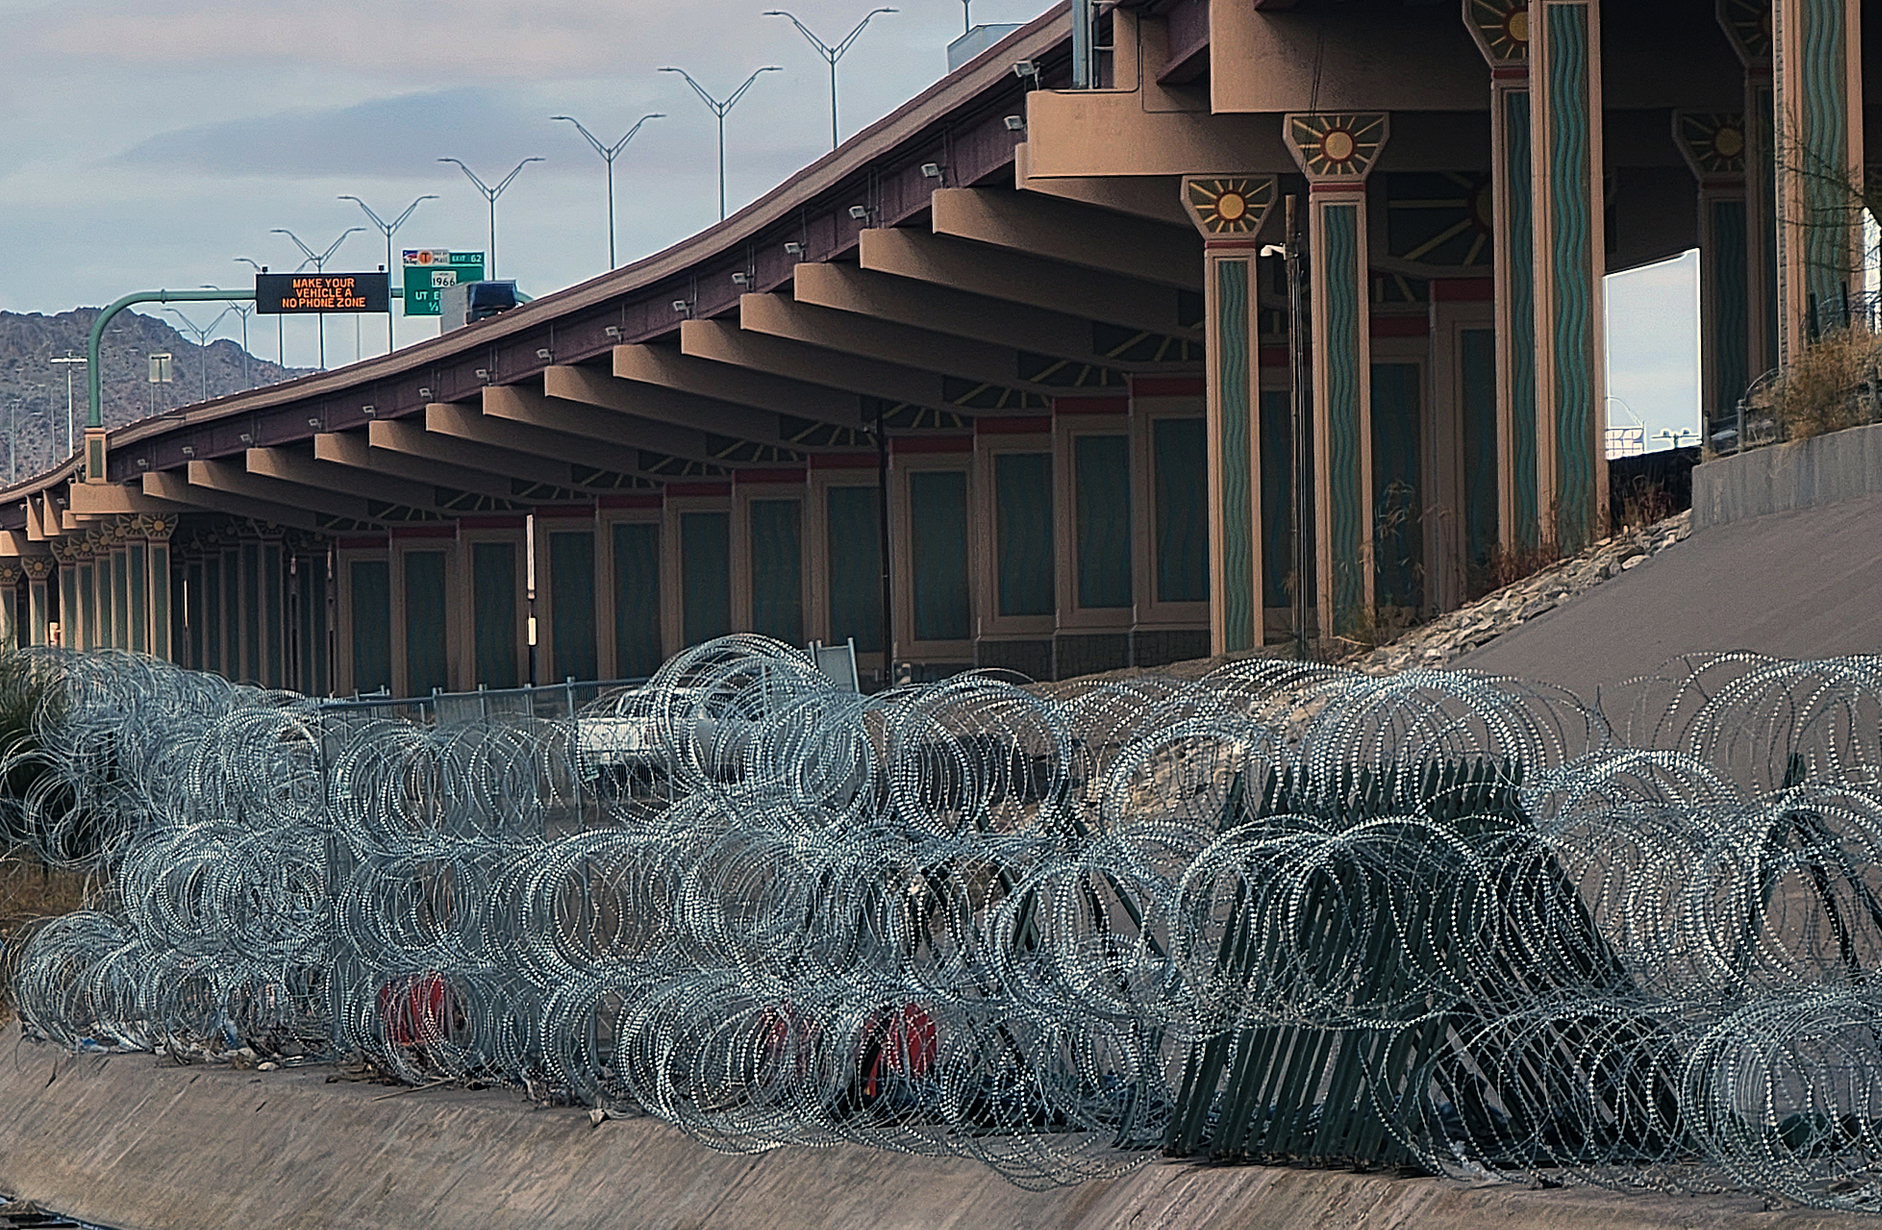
{"type": "Point", "coordinates": [149, 143]}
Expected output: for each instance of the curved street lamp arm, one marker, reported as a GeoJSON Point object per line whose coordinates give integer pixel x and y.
{"type": "Point", "coordinates": [481, 186]}
{"type": "Point", "coordinates": [282, 230]}
{"type": "Point", "coordinates": [599, 147]}
{"type": "Point", "coordinates": [376, 219]}
{"type": "Point", "coordinates": [740, 92]}
{"type": "Point", "coordinates": [518, 170]}
{"type": "Point", "coordinates": [824, 49]}
{"type": "Point", "coordinates": [851, 37]}
{"type": "Point", "coordinates": [400, 220]}
{"type": "Point", "coordinates": [717, 108]}
{"type": "Point", "coordinates": [622, 143]}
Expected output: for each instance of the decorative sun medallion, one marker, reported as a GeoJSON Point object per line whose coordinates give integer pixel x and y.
{"type": "Point", "coordinates": [1502, 28]}
{"type": "Point", "coordinates": [1713, 142]}
{"type": "Point", "coordinates": [1336, 147]}
{"type": "Point", "coordinates": [1748, 24]}
{"type": "Point", "coordinates": [1229, 206]}
{"type": "Point", "coordinates": [1439, 218]}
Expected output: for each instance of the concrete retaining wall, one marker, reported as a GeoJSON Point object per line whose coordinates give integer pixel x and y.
{"type": "Point", "coordinates": [1822, 470]}
{"type": "Point", "coordinates": [128, 1143]}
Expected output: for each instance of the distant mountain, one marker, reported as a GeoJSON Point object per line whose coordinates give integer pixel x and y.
{"type": "Point", "coordinates": [32, 388]}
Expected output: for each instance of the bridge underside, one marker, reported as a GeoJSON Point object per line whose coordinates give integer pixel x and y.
{"type": "Point", "coordinates": [1055, 322]}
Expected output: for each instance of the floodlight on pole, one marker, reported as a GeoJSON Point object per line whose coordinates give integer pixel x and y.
{"type": "Point", "coordinates": [491, 195]}
{"type": "Point", "coordinates": [388, 229]}
{"type": "Point", "coordinates": [829, 53]}
{"type": "Point", "coordinates": [202, 333]}
{"type": "Point", "coordinates": [608, 154]}
{"type": "Point", "coordinates": [720, 109]}
{"type": "Point", "coordinates": [319, 262]}
{"type": "Point", "coordinates": [71, 428]}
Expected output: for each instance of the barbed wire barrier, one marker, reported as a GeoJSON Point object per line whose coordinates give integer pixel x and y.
{"type": "Point", "coordinates": [1285, 913]}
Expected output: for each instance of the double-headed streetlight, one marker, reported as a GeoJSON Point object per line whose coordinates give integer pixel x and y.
{"type": "Point", "coordinates": [829, 53]}
{"type": "Point", "coordinates": [608, 154]}
{"type": "Point", "coordinates": [387, 229]}
{"type": "Point", "coordinates": [491, 195]}
{"type": "Point", "coordinates": [201, 333]}
{"type": "Point", "coordinates": [319, 262]}
{"type": "Point", "coordinates": [280, 345]}
{"type": "Point", "coordinates": [244, 310]}
{"type": "Point", "coordinates": [719, 109]}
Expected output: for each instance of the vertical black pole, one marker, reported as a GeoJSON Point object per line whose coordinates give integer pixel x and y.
{"type": "Point", "coordinates": [882, 519]}
{"type": "Point", "coordinates": [1297, 364]}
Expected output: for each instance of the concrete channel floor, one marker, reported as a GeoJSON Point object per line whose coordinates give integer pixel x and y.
{"type": "Point", "coordinates": [127, 1142]}
{"type": "Point", "coordinates": [1801, 584]}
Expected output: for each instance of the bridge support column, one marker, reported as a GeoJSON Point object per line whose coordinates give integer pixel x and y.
{"type": "Point", "coordinates": [1502, 28]}
{"type": "Point", "coordinates": [1571, 259]}
{"type": "Point", "coordinates": [9, 604]}
{"type": "Point", "coordinates": [1747, 24]}
{"type": "Point", "coordinates": [120, 590]}
{"type": "Point", "coordinates": [271, 617]}
{"type": "Point", "coordinates": [157, 532]}
{"type": "Point", "coordinates": [65, 553]}
{"type": "Point", "coordinates": [38, 599]}
{"type": "Point", "coordinates": [1819, 153]}
{"type": "Point", "coordinates": [1714, 147]}
{"type": "Point", "coordinates": [1337, 153]}
{"type": "Point", "coordinates": [1230, 212]}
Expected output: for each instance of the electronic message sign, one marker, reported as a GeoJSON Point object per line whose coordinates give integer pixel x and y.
{"type": "Point", "coordinates": [430, 270]}
{"type": "Point", "coordinates": [286, 294]}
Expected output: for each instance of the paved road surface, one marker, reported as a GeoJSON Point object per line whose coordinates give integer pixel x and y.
{"type": "Point", "coordinates": [1804, 584]}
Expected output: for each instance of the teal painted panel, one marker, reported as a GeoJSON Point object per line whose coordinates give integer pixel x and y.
{"type": "Point", "coordinates": [1823, 150]}
{"type": "Point", "coordinates": [88, 608]}
{"type": "Point", "coordinates": [1574, 344]}
{"type": "Point", "coordinates": [120, 600]}
{"type": "Point", "coordinates": [493, 613]}
{"type": "Point", "coordinates": [1022, 497]}
{"type": "Point", "coordinates": [1179, 461]}
{"type": "Point", "coordinates": [251, 611]}
{"type": "Point", "coordinates": [68, 601]}
{"type": "Point", "coordinates": [777, 569]}
{"type": "Point", "coordinates": [855, 560]}
{"type": "Point", "coordinates": [212, 609]}
{"type": "Point", "coordinates": [637, 641]}
{"type": "Point", "coordinates": [1397, 506]}
{"type": "Point", "coordinates": [1726, 265]}
{"type": "Point", "coordinates": [937, 517]}
{"type": "Point", "coordinates": [274, 620]}
{"type": "Point", "coordinates": [1234, 369]}
{"type": "Point", "coordinates": [1477, 391]}
{"type": "Point", "coordinates": [1519, 190]}
{"type": "Point", "coordinates": [1345, 476]}
{"type": "Point", "coordinates": [371, 583]}
{"type": "Point", "coordinates": [192, 612]}
{"type": "Point", "coordinates": [137, 563]}
{"type": "Point", "coordinates": [314, 651]}
{"type": "Point", "coordinates": [705, 576]}
{"type": "Point", "coordinates": [1101, 469]}
{"type": "Point", "coordinates": [160, 581]}
{"type": "Point", "coordinates": [1277, 498]}
{"type": "Point", "coordinates": [572, 604]}
{"type": "Point", "coordinates": [232, 614]}
{"type": "Point", "coordinates": [426, 614]}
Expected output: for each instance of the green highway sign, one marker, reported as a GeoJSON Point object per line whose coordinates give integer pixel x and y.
{"type": "Point", "coordinates": [429, 270]}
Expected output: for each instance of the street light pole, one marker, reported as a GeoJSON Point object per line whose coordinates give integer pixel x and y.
{"type": "Point", "coordinates": [280, 337]}
{"type": "Point", "coordinates": [491, 194]}
{"type": "Point", "coordinates": [202, 339]}
{"type": "Point", "coordinates": [719, 109]}
{"type": "Point", "coordinates": [387, 229]}
{"type": "Point", "coordinates": [832, 54]}
{"type": "Point", "coordinates": [320, 266]}
{"type": "Point", "coordinates": [71, 429]}
{"type": "Point", "coordinates": [608, 154]}
{"type": "Point", "coordinates": [244, 310]}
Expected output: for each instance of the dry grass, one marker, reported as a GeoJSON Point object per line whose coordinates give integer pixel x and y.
{"type": "Point", "coordinates": [1832, 385]}
{"type": "Point", "coordinates": [29, 891]}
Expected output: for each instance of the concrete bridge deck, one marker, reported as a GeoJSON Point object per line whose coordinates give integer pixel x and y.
{"type": "Point", "coordinates": [124, 1141]}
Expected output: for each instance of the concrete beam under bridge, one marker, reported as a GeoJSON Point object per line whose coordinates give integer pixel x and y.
{"type": "Point", "coordinates": [668, 368]}
{"type": "Point", "coordinates": [1072, 234]}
